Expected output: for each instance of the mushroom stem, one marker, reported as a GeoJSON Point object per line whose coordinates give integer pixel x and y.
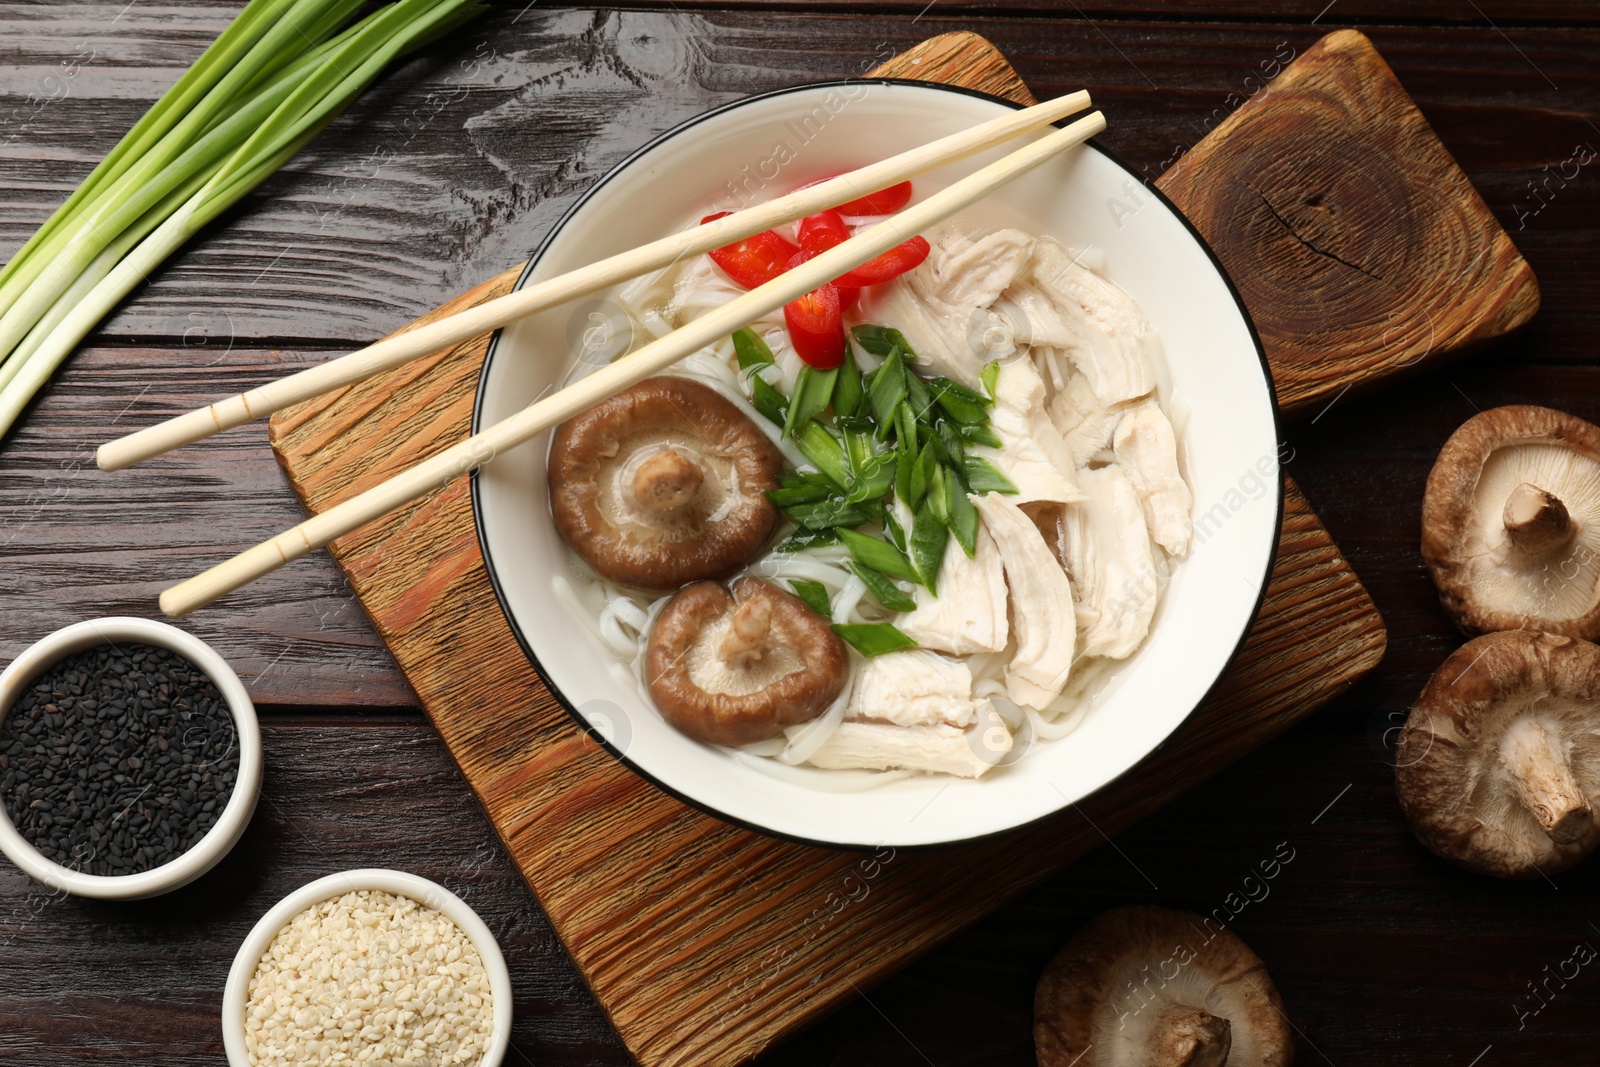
{"type": "Point", "coordinates": [1536, 521]}
{"type": "Point", "coordinates": [1190, 1037]}
{"type": "Point", "coordinates": [667, 481]}
{"type": "Point", "coordinates": [1542, 776]}
{"type": "Point", "coordinates": [746, 640]}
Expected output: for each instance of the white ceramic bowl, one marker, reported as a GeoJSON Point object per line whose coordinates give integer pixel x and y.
{"type": "Point", "coordinates": [399, 883]}
{"type": "Point", "coordinates": [45, 653]}
{"type": "Point", "coordinates": [1085, 198]}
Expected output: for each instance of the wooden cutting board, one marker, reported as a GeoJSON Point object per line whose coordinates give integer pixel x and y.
{"type": "Point", "coordinates": [704, 942]}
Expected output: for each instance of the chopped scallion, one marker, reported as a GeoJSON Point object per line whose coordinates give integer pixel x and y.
{"type": "Point", "coordinates": [814, 593]}
{"type": "Point", "coordinates": [985, 477]}
{"type": "Point", "coordinates": [767, 400]}
{"type": "Point", "coordinates": [960, 513]}
{"type": "Point", "coordinates": [804, 539]}
{"type": "Point", "coordinates": [929, 537]}
{"type": "Point", "coordinates": [882, 340]}
{"type": "Point", "coordinates": [850, 389]}
{"type": "Point", "coordinates": [891, 596]}
{"type": "Point", "coordinates": [887, 389]}
{"type": "Point", "coordinates": [873, 638]}
{"type": "Point", "coordinates": [879, 555]}
{"type": "Point", "coordinates": [828, 513]}
{"type": "Point", "coordinates": [991, 377]}
{"type": "Point", "coordinates": [959, 402]}
{"type": "Point", "coordinates": [980, 435]}
{"type": "Point", "coordinates": [820, 447]}
{"type": "Point", "coordinates": [751, 349]}
{"type": "Point", "coordinates": [813, 391]}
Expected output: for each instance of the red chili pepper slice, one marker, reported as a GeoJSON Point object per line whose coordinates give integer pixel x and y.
{"type": "Point", "coordinates": [755, 260]}
{"type": "Point", "coordinates": [883, 202]}
{"type": "Point", "coordinates": [891, 264]}
{"type": "Point", "coordinates": [822, 231]}
{"type": "Point", "coordinates": [816, 322]}
{"type": "Point", "coordinates": [848, 298]}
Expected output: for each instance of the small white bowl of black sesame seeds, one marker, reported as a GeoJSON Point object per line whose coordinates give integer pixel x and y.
{"type": "Point", "coordinates": [130, 759]}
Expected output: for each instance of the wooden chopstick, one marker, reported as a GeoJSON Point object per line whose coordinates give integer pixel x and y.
{"type": "Point", "coordinates": [651, 359]}
{"type": "Point", "coordinates": [493, 314]}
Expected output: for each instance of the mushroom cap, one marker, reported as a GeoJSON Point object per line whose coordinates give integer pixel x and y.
{"type": "Point", "coordinates": [1511, 523]}
{"type": "Point", "coordinates": [729, 669]}
{"type": "Point", "coordinates": [1158, 988]}
{"type": "Point", "coordinates": [662, 484]}
{"type": "Point", "coordinates": [1499, 762]}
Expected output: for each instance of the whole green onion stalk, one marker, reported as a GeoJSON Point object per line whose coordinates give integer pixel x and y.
{"type": "Point", "coordinates": [274, 78]}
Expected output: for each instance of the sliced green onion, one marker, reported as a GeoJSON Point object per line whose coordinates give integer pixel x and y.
{"type": "Point", "coordinates": [930, 437]}
{"type": "Point", "coordinates": [959, 402]}
{"type": "Point", "coordinates": [814, 593]}
{"type": "Point", "coordinates": [828, 513]}
{"type": "Point", "coordinates": [813, 390]}
{"type": "Point", "coordinates": [767, 400]}
{"type": "Point", "coordinates": [905, 425]}
{"type": "Point", "coordinates": [850, 389]}
{"type": "Point", "coordinates": [789, 495]}
{"type": "Point", "coordinates": [954, 446]}
{"type": "Point", "coordinates": [894, 531]}
{"type": "Point", "coordinates": [920, 397]}
{"type": "Point", "coordinates": [874, 478]}
{"type": "Point", "coordinates": [818, 445]}
{"type": "Point", "coordinates": [938, 497]}
{"type": "Point", "coordinates": [887, 389]}
{"type": "Point", "coordinates": [905, 464]}
{"type": "Point", "coordinates": [873, 638]}
{"type": "Point", "coordinates": [985, 477]}
{"type": "Point", "coordinates": [980, 435]}
{"type": "Point", "coordinates": [960, 513]}
{"type": "Point", "coordinates": [891, 596]}
{"type": "Point", "coordinates": [857, 437]}
{"type": "Point", "coordinates": [921, 477]}
{"type": "Point", "coordinates": [882, 340]}
{"type": "Point", "coordinates": [991, 377]}
{"type": "Point", "coordinates": [879, 555]}
{"type": "Point", "coordinates": [805, 539]}
{"type": "Point", "coordinates": [929, 537]}
{"type": "Point", "coordinates": [751, 349]}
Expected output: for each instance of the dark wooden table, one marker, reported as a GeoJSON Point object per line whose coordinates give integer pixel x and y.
{"type": "Point", "coordinates": [451, 169]}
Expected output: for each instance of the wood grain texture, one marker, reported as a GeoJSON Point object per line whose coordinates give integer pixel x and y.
{"type": "Point", "coordinates": [1386, 957]}
{"type": "Point", "coordinates": [156, 524]}
{"type": "Point", "coordinates": [1361, 249]}
{"type": "Point", "coordinates": [705, 943]}
{"type": "Point", "coordinates": [455, 165]}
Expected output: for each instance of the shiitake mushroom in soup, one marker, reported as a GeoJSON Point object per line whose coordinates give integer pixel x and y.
{"type": "Point", "coordinates": [663, 484]}
{"type": "Point", "coordinates": [730, 667]}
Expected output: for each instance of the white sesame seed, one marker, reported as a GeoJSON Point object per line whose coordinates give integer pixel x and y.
{"type": "Point", "coordinates": [369, 977]}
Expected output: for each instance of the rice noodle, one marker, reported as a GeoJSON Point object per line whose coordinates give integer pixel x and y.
{"type": "Point", "coordinates": [817, 778]}
{"type": "Point", "coordinates": [804, 740]}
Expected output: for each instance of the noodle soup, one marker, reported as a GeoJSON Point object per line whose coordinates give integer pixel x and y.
{"type": "Point", "coordinates": [1034, 411]}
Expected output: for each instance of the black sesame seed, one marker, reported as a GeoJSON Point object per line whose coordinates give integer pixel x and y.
{"type": "Point", "coordinates": [117, 760]}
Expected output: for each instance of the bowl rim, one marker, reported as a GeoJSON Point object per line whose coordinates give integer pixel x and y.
{"type": "Point", "coordinates": [400, 883]}
{"type": "Point", "coordinates": [230, 825]}
{"type": "Point", "coordinates": [589, 729]}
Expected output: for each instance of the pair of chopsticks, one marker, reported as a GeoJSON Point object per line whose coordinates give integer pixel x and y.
{"type": "Point", "coordinates": [654, 357]}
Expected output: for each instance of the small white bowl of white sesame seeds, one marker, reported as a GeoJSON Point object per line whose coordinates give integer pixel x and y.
{"type": "Point", "coordinates": [368, 966]}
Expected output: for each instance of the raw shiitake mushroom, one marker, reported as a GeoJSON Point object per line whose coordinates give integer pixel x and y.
{"type": "Point", "coordinates": [662, 484]}
{"type": "Point", "coordinates": [730, 668]}
{"type": "Point", "coordinates": [1511, 523]}
{"type": "Point", "coordinates": [1152, 987]}
{"type": "Point", "coordinates": [1498, 766]}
